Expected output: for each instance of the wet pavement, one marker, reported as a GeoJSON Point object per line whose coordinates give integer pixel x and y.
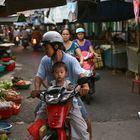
{"type": "Point", "coordinates": [113, 109]}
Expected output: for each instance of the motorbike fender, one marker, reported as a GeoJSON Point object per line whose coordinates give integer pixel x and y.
{"type": "Point", "coordinates": [87, 65]}
{"type": "Point", "coordinates": [56, 115]}
{"type": "Point", "coordinates": [61, 134]}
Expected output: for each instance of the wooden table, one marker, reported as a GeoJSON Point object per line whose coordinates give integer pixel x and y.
{"type": "Point", "coordinates": [5, 46]}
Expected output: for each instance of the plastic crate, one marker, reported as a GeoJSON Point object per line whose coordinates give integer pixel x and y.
{"type": "Point", "coordinates": [6, 59]}
{"type": "Point", "coordinates": [10, 67]}
{"type": "Point", "coordinates": [6, 113]}
{"type": "Point", "coordinates": [16, 108]}
{"type": "Point", "coordinates": [115, 60]}
{"type": "Point", "coordinates": [2, 68]}
{"type": "Point", "coordinates": [7, 63]}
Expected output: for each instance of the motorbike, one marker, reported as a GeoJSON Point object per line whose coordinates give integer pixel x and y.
{"type": "Point", "coordinates": [25, 42]}
{"type": "Point", "coordinates": [59, 102]}
{"type": "Point", "coordinates": [17, 40]}
{"type": "Point", "coordinates": [89, 71]}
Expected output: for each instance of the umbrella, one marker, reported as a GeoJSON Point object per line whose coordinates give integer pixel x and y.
{"type": "Point", "coordinates": [105, 11]}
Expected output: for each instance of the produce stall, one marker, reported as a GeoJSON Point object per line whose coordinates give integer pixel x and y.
{"type": "Point", "coordinates": [5, 49]}
{"type": "Point", "coordinates": [10, 100]}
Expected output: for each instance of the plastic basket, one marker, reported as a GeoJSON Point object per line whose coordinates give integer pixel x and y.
{"type": "Point", "coordinates": [6, 59]}
{"type": "Point", "coordinates": [6, 113]}
{"type": "Point", "coordinates": [16, 108]}
{"type": "Point", "coordinates": [16, 99]}
{"type": "Point", "coordinates": [5, 126]}
{"type": "Point", "coordinates": [27, 86]}
{"type": "Point", "coordinates": [10, 67]}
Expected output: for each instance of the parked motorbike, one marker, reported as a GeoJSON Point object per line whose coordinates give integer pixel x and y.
{"type": "Point", "coordinates": [89, 71]}
{"type": "Point", "coordinates": [59, 102]}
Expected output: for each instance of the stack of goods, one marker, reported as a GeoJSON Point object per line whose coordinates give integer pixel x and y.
{"type": "Point", "coordinates": [98, 62]}
{"type": "Point", "coordinates": [8, 63]}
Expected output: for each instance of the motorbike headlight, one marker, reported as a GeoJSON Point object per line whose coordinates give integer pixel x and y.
{"type": "Point", "coordinates": [53, 99]}
{"type": "Point", "coordinates": [17, 38]}
{"type": "Point", "coordinates": [66, 96]}
{"type": "Point", "coordinates": [34, 41]}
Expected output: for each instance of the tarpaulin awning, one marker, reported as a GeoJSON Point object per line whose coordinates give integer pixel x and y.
{"type": "Point", "coordinates": [14, 6]}
{"type": "Point", "coordinates": [22, 5]}
{"type": "Point", "coordinates": [113, 10]}
{"type": "Point", "coordinates": [3, 11]}
{"type": "Point", "coordinates": [8, 20]}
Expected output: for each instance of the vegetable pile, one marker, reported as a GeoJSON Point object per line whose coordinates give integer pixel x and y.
{"type": "Point", "coordinates": [10, 100]}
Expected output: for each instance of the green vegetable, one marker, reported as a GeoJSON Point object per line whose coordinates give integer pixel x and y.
{"type": "Point", "coordinates": [5, 84]}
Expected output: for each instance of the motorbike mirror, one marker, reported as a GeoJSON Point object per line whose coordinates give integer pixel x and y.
{"type": "Point", "coordinates": [82, 81]}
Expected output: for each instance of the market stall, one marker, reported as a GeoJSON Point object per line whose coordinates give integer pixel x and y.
{"type": "Point", "coordinates": [115, 56]}
{"type": "Point", "coordinates": [133, 59]}
{"type": "Point", "coordinates": [10, 100]}
{"type": "Point", "coordinates": [7, 63]}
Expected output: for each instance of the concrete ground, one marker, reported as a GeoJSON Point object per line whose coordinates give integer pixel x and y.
{"type": "Point", "coordinates": [113, 109]}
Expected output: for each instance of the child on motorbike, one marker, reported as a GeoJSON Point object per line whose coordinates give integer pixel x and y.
{"type": "Point", "coordinates": [78, 124]}
{"type": "Point", "coordinates": [53, 44]}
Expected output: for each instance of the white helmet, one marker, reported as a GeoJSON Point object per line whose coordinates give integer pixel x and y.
{"type": "Point", "coordinates": [80, 30]}
{"type": "Point", "coordinates": [52, 37]}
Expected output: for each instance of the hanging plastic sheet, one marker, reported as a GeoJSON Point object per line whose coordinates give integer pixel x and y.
{"type": "Point", "coordinates": [66, 12]}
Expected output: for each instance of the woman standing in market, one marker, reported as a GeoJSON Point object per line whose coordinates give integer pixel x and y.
{"type": "Point", "coordinates": [71, 47]}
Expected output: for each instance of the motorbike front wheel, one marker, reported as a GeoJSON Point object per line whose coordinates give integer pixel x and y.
{"type": "Point", "coordinates": [51, 135]}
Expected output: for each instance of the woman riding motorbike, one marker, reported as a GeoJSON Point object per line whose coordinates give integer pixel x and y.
{"type": "Point", "coordinates": [88, 53]}
{"type": "Point", "coordinates": [84, 44]}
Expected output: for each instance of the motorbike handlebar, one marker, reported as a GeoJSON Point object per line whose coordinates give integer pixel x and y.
{"type": "Point", "coordinates": [39, 93]}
